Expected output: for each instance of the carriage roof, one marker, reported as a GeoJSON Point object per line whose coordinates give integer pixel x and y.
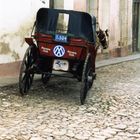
{"type": "Point", "coordinates": [79, 24]}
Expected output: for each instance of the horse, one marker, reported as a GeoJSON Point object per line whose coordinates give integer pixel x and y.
{"type": "Point", "coordinates": [102, 38]}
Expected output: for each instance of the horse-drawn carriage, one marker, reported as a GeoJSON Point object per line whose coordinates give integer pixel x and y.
{"type": "Point", "coordinates": [62, 40]}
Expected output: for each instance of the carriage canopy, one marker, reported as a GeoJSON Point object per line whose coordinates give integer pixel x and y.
{"type": "Point", "coordinates": [72, 23]}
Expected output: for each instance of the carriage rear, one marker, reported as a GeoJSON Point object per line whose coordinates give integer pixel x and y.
{"type": "Point", "coordinates": [63, 40]}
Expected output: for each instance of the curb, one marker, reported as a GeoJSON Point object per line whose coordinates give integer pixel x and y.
{"type": "Point", "coordinates": [117, 60]}
{"type": "Point", "coordinates": [7, 81]}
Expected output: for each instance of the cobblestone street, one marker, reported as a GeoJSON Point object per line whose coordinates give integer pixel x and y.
{"type": "Point", "coordinates": [53, 111]}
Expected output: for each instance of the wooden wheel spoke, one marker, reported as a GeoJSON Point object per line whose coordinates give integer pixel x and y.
{"type": "Point", "coordinates": [26, 64]}
{"type": "Point", "coordinates": [28, 60]}
{"type": "Point", "coordinates": [24, 77]}
{"type": "Point", "coordinates": [31, 78]}
{"type": "Point", "coordinates": [31, 63]}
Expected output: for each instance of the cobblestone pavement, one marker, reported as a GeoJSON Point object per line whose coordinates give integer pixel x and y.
{"type": "Point", "coordinates": [53, 111]}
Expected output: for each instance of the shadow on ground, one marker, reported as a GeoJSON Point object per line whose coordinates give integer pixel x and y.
{"type": "Point", "coordinates": [57, 89]}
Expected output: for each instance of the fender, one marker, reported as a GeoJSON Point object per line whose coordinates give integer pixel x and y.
{"type": "Point", "coordinates": [29, 41]}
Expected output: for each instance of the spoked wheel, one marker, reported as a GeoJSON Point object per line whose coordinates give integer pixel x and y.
{"type": "Point", "coordinates": [45, 78]}
{"type": "Point", "coordinates": [87, 79]}
{"type": "Point", "coordinates": [26, 75]}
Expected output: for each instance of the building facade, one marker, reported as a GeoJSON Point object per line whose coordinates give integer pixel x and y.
{"type": "Point", "coordinates": [136, 25]}
{"type": "Point", "coordinates": [120, 17]}
{"type": "Point", "coordinates": [16, 21]}
{"type": "Point", "coordinates": [116, 16]}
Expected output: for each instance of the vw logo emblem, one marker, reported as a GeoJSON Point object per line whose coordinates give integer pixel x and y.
{"type": "Point", "coordinates": [59, 51]}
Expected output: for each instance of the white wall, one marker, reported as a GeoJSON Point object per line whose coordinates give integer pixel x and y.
{"type": "Point", "coordinates": [16, 20]}
{"type": "Point", "coordinates": [80, 5]}
{"type": "Point", "coordinates": [139, 32]}
{"type": "Point", "coordinates": [130, 3]}
{"type": "Point", "coordinates": [104, 14]}
{"type": "Point", "coordinates": [69, 4]}
{"type": "Point", "coordinates": [114, 29]}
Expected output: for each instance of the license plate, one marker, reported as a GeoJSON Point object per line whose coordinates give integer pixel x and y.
{"type": "Point", "coordinates": [61, 65]}
{"type": "Point", "coordinates": [61, 38]}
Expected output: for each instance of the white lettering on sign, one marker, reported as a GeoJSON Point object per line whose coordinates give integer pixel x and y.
{"type": "Point", "coordinates": [72, 53]}
{"type": "Point", "coordinates": [61, 38]}
{"type": "Point", "coordinates": [46, 50]}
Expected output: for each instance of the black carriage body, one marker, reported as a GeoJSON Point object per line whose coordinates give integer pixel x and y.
{"type": "Point", "coordinates": [80, 23]}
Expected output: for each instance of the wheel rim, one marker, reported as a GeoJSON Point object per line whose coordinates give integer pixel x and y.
{"type": "Point", "coordinates": [26, 76]}
{"type": "Point", "coordinates": [90, 78]}
{"type": "Point", "coordinates": [87, 79]}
